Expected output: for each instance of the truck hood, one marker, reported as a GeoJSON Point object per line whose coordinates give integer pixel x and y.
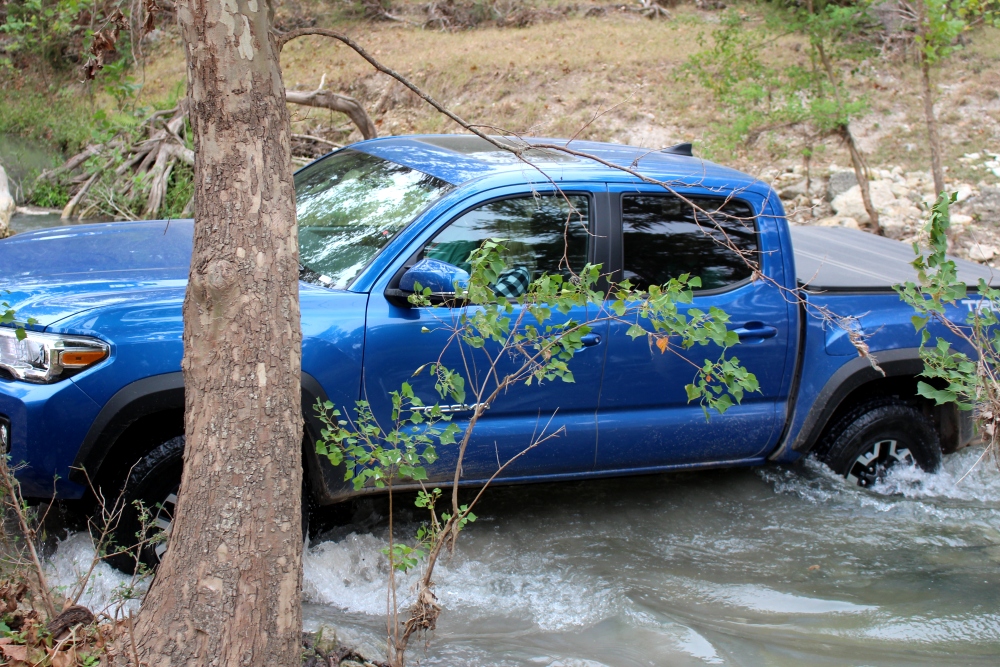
{"type": "Point", "coordinates": [52, 274]}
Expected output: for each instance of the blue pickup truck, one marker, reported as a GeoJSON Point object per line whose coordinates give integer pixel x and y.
{"type": "Point", "coordinates": [96, 385]}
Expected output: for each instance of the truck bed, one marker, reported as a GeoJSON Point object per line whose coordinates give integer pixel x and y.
{"type": "Point", "coordinates": [837, 259]}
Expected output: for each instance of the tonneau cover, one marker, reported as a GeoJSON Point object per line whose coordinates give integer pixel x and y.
{"type": "Point", "coordinates": [837, 259]}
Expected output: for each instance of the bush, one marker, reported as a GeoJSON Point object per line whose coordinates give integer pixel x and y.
{"type": "Point", "coordinates": [56, 120]}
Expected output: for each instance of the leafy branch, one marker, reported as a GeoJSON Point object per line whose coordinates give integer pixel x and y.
{"type": "Point", "coordinates": [966, 377]}
{"type": "Point", "coordinates": [524, 329]}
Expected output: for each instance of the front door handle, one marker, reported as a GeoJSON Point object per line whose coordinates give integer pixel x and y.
{"type": "Point", "coordinates": [756, 332]}
{"type": "Point", "coordinates": [591, 339]}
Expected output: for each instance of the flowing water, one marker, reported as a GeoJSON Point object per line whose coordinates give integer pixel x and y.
{"type": "Point", "coordinates": [769, 566]}
{"type": "Point", "coordinates": [23, 159]}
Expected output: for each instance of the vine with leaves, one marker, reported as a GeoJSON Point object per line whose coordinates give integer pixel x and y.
{"type": "Point", "coordinates": [526, 330]}
{"type": "Point", "coordinates": [969, 378]}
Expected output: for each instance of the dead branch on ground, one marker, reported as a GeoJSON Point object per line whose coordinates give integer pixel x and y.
{"type": "Point", "coordinates": [129, 175]}
{"type": "Point", "coordinates": [327, 99]}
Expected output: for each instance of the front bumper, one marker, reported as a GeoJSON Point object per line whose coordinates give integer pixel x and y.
{"type": "Point", "coordinates": [46, 423]}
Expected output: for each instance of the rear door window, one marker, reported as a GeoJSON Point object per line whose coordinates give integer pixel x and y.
{"type": "Point", "coordinates": [664, 237]}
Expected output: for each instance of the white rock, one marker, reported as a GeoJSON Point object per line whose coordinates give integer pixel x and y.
{"type": "Point", "coordinates": [899, 189]}
{"type": "Point", "coordinates": [836, 221]}
{"type": "Point", "coordinates": [960, 219]}
{"type": "Point", "coordinates": [849, 204]}
{"type": "Point", "coordinates": [890, 222]}
{"type": "Point", "coordinates": [963, 191]}
{"type": "Point", "coordinates": [790, 189]}
{"type": "Point", "coordinates": [902, 209]}
{"type": "Point", "coordinates": [982, 253]}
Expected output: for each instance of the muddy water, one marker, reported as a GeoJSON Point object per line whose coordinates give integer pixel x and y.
{"type": "Point", "coordinates": [774, 566]}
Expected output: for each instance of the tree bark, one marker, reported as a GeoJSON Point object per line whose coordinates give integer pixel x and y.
{"type": "Point", "coordinates": [932, 133]}
{"type": "Point", "coordinates": [927, 92]}
{"type": "Point", "coordinates": [228, 590]}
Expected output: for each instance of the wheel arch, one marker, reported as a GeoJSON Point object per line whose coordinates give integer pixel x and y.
{"type": "Point", "coordinates": [858, 381]}
{"type": "Point", "coordinates": [144, 413]}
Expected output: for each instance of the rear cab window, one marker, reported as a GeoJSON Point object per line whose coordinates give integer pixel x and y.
{"type": "Point", "coordinates": [664, 236]}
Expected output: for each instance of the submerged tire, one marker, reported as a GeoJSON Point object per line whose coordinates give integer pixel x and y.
{"type": "Point", "coordinates": [154, 481]}
{"type": "Point", "coordinates": [874, 436]}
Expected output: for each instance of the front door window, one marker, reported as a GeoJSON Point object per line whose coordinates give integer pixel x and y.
{"type": "Point", "coordinates": [543, 234]}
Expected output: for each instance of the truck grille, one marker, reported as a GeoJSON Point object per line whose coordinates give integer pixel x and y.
{"type": "Point", "coordinates": [4, 434]}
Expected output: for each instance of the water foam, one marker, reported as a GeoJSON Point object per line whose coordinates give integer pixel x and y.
{"type": "Point", "coordinates": [965, 475]}
{"type": "Point", "coordinates": [107, 591]}
{"type": "Point", "coordinates": [352, 574]}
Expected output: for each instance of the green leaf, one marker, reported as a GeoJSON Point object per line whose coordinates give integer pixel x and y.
{"type": "Point", "coordinates": [939, 396]}
{"type": "Point", "coordinates": [635, 331]}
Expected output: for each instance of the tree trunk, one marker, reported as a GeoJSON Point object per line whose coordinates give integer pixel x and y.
{"type": "Point", "coordinates": [932, 134]}
{"type": "Point", "coordinates": [861, 173]}
{"type": "Point", "coordinates": [858, 162]}
{"type": "Point", "coordinates": [927, 92]}
{"type": "Point", "coordinates": [228, 590]}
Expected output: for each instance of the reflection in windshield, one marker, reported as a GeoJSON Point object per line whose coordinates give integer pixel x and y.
{"type": "Point", "coordinates": [350, 205]}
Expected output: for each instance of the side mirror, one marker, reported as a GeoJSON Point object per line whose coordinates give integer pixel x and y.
{"type": "Point", "coordinates": [439, 276]}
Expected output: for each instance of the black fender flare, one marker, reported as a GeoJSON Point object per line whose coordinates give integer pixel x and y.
{"type": "Point", "coordinates": [849, 377]}
{"type": "Point", "coordinates": [164, 392]}
{"type": "Point", "coordinates": [130, 403]}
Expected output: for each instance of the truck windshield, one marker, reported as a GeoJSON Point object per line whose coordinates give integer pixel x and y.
{"type": "Point", "coordinates": [349, 206]}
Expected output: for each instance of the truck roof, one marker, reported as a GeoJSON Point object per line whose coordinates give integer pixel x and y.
{"type": "Point", "coordinates": [459, 158]}
{"type": "Point", "coordinates": [838, 259]}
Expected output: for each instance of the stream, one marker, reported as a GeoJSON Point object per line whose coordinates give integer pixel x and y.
{"type": "Point", "coordinates": [768, 566]}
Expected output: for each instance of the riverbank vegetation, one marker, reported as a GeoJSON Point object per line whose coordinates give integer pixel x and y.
{"type": "Point", "coordinates": [542, 68]}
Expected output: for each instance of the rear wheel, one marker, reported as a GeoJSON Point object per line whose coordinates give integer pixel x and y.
{"type": "Point", "coordinates": [873, 437]}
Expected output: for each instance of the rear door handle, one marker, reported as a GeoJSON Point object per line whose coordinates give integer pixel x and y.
{"type": "Point", "coordinates": [756, 331]}
{"type": "Point", "coordinates": [591, 339]}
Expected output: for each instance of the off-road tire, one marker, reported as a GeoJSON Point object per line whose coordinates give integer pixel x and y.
{"type": "Point", "coordinates": [873, 436]}
{"type": "Point", "coordinates": [154, 482]}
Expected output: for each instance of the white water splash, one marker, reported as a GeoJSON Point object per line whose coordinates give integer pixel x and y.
{"type": "Point", "coordinates": [351, 574]}
{"type": "Point", "coordinates": [965, 475]}
{"type": "Point", "coordinates": [766, 600]}
{"type": "Point", "coordinates": [107, 591]}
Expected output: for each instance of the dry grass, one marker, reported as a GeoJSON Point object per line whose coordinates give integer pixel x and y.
{"type": "Point", "coordinates": [553, 77]}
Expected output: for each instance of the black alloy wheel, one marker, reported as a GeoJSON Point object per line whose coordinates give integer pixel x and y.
{"type": "Point", "coordinates": [155, 482]}
{"type": "Point", "coordinates": [866, 442]}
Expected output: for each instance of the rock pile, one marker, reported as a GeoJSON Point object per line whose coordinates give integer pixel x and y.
{"type": "Point", "coordinates": [902, 199]}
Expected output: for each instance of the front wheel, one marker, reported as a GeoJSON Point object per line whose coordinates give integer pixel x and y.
{"type": "Point", "coordinates": [873, 437]}
{"type": "Point", "coordinates": [153, 484]}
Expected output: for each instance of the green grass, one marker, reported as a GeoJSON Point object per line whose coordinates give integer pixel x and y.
{"type": "Point", "coordinates": [60, 121]}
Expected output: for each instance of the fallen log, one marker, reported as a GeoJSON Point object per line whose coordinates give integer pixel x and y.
{"type": "Point", "coordinates": [130, 175]}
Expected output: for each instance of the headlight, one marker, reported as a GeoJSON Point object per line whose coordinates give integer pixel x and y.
{"type": "Point", "coordinates": [48, 358]}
